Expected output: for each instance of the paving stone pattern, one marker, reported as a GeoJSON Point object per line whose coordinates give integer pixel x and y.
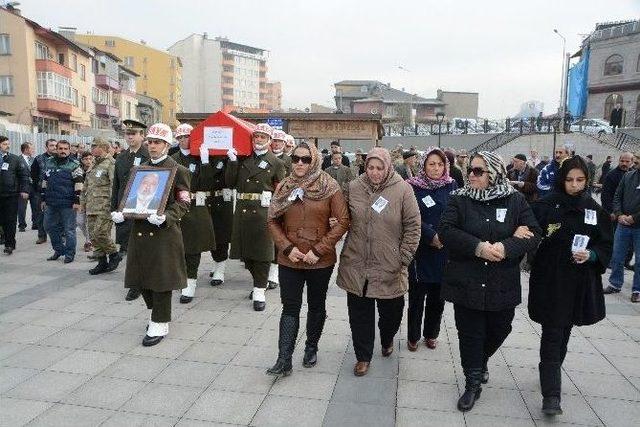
{"type": "Point", "coordinates": [70, 355]}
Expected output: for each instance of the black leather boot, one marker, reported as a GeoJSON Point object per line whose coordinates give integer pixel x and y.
{"type": "Point", "coordinates": [315, 324]}
{"type": "Point", "coordinates": [472, 390]}
{"type": "Point", "coordinates": [551, 405]}
{"type": "Point", "coordinates": [132, 294]}
{"type": "Point", "coordinates": [114, 260]}
{"type": "Point", "coordinates": [102, 267]}
{"type": "Point", "coordinates": [286, 342]}
{"type": "Point", "coordinates": [551, 386]}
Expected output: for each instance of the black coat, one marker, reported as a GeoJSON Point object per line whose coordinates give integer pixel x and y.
{"type": "Point", "coordinates": [609, 188]}
{"type": "Point", "coordinates": [470, 280]}
{"type": "Point", "coordinates": [561, 292]}
{"type": "Point", "coordinates": [616, 117]}
{"type": "Point", "coordinates": [456, 174]}
{"type": "Point", "coordinates": [14, 175]}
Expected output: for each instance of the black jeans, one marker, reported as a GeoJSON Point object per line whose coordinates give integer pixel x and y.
{"type": "Point", "coordinates": [480, 334]}
{"type": "Point", "coordinates": [22, 210]}
{"type": "Point", "coordinates": [9, 218]}
{"type": "Point", "coordinates": [553, 349]}
{"type": "Point", "coordinates": [159, 303]}
{"type": "Point", "coordinates": [362, 320]}
{"type": "Point", "coordinates": [424, 298]}
{"type": "Point", "coordinates": [292, 282]}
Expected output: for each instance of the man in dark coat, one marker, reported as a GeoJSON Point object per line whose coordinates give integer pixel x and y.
{"type": "Point", "coordinates": [335, 148]}
{"type": "Point", "coordinates": [14, 183]}
{"type": "Point", "coordinates": [196, 225]}
{"type": "Point", "coordinates": [405, 170]}
{"type": "Point", "coordinates": [615, 120]}
{"type": "Point", "coordinates": [37, 166]}
{"type": "Point", "coordinates": [221, 211]}
{"type": "Point", "coordinates": [127, 160]}
{"type": "Point", "coordinates": [606, 167]}
{"type": "Point", "coordinates": [155, 260]}
{"type": "Point", "coordinates": [26, 153]}
{"type": "Point", "coordinates": [611, 181]}
{"type": "Point", "coordinates": [255, 178]}
{"type": "Point", "coordinates": [455, 171]}
{"type": "Point", "coordinates": [523, 177]}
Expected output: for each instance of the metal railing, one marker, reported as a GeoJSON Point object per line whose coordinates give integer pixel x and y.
{"type": "Point", "coordinates": [495, 142]}
{"type": "Point", "coordinates": [622, 141]}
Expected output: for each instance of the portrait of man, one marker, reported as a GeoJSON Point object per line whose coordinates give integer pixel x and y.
{"type": "Point", "coordinates": [145, 195]}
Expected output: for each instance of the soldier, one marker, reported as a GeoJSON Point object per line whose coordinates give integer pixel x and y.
{"type": "Point", "coordinates": [155, 260]}
{"type": "Point", "coordinates": [254, 177]}
{"type": "Point", "coordinates": [196, 225]}
{"type": "Point", "coordinates": [289, 144]}
{"type": "Point", "coordinates": [221, 210]}
{"type": "Point", "coordinates": [132, 157]}
{"type": "Point", "coordinates": [95, 200]}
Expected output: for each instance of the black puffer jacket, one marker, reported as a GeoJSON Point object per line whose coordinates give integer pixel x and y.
{"type": "Point", "coordinates": [472, 281]}
{"type": "Point", "coordinates": [14, 175]}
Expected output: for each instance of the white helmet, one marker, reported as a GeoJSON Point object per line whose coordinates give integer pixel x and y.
{"type": "Point", "coordinates": [183, 130]}
{"type": "Point", "coordinates": [160, 131]}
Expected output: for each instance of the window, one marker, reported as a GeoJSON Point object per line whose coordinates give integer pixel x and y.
{"type": "Point", "coordinates": [6, 85]}
{"type": "Point", "coordinates": [110, 43]}
{"type": "Point", "coordinates": [5, 44]}
{"type": "Point", "coordinates": [83, 103]}
{"type": "Point", "coordinates": [100, 96]}
{"type": "Point", "coordinates": [54, 86]}
{"type": "Point", "coordinates": [61, 58]}
{"type": "Point", "coordinates": [611, 101]}
{"type": "Point", "coordinates": [83, 72]}
{"type": "Point", "coordinates": [74, 62]}
{"type": "Point", "coordinates": [76, 102]}
{"type": "Point", "coordinates": [46, 125]}
{"type": "Point", "coordinates": [128, 61]}
{"type": "Point", "coordinates": [128, 109]}
{"type": "Point", "coordinates": [42, 51]}
{"type": "Point", "coordinates": [613, 65]}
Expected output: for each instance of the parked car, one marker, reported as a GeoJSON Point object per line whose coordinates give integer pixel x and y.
{"type": "Point", "coordinates": [594, 127]}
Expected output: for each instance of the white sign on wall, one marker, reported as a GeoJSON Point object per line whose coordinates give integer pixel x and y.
{"type": "Point", "coordinates": [218, 137]}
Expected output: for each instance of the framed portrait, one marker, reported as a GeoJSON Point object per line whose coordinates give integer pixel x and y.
{"type": "Point", "coordinates": [147, 191]}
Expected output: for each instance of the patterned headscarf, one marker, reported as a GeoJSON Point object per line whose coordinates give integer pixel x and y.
{"type": "Point", "coordinates": [499, 186]}
{"type": "Point", "coordinates": [316, 184]}
{"type": "Point", "coordinates": [384, 156]}
{"type": "Point", "coordinates": [422, 180]}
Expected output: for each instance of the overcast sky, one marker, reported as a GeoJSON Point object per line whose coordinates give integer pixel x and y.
{"type": "Point", "coordinates": [505, 50]}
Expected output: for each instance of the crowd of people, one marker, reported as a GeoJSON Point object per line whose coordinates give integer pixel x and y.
{"type": "Point", "coordinates": [439, 225]}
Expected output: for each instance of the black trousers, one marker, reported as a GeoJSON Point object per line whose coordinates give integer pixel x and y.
{"type": "Point", "coordinates": [362, 318]}
{"type": "Point", "coordinates": [22, 210]}
{"type": "Point", "coordinates": [9, 218]}
{"type": "Point", "coordinates": [292, 282]}
{"type": "Point", "coordinates": [480, 335]}
{"type": "Point", "coordinates": [259, 271]}
{"type": "Point", "coordinates": [553, 349]}
{"type": "Point", "coordinates": [159, 303]}
{"type": "Point", "coordinates": [123, 231]}
{"type": "Point", "coordinates": [221, 253]}
{"type": "Point", "coordinates": [424, 298]}
{"type": "Point", "coordinates": [193, 262]}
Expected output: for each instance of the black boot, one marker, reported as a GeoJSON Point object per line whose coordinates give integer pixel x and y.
{"type": "Point", "coordinates": [102, 267]}
{"type": "Point", "coordinates": [485, 373]}
{"type": "Point", "coordinates": [551, 405]}
{"type": "Point", "coordinates": [315, 323]}
{"type": "Point", "coordinates": [286, 342]}
{"type": "Point", "coordinates": [472, 390]}
{"type": "Point", "coordinates": [132, 294]}
{"type": "Point", "coordinates": [114, 260]}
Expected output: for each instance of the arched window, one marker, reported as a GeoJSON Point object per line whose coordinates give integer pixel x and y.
{"type": "Point", "coordinates": [611, 101]}
{"type": "Point", "coordinates": [613, 65]}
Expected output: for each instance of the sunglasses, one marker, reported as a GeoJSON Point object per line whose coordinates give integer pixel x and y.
{"type": "Point", "coordinates": [476, 171]}
{"type": "Point", "coordinates": [305, 159]}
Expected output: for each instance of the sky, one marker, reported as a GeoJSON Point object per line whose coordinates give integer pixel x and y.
{"type": "Point", "coordinates": [504, 50]}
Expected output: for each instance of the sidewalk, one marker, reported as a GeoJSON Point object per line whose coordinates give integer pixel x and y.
{"type": "Point", "coordinates": [70, 354]}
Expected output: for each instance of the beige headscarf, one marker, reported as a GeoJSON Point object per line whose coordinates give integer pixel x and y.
{"type": "Point", "coordinates": [384, 156]}
{"type": "Point", "coordinates": [316, 184]}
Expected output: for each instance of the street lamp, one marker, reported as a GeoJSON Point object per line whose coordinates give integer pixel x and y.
{"type": "Point", "coordinates": [439, 119]}
{"type": "Point", "coordinates": [563, 80]}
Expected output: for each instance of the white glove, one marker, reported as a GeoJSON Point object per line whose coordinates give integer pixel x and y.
{"type": "Point", "coordinates": [117, 217]}
{"type": "Point", "coordinates": [204, 155]}
{"type": "Point", "coordinates": [156, 219]}
{"type": "Point", "coordinates": [232, 154]}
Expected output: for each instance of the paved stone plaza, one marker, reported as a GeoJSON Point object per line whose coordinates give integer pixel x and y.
{"type": "Point", "coordinates": [70, 354]}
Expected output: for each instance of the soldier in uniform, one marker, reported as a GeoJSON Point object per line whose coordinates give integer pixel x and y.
{"type": "Point", "coordinates": [221, 210]}
{"type": "Point", "coordinates": [133, 156]}
{"type": "Point", "coordinates": [155, 259]}
{"type": "Point", "coordinates": [96, 202]}
{"type": "Point", "coordinates": [254, 177]}
{"type": "Point", "coordinates": [196, 225]}
{"type": "Point", "coordinates": [289, 144]}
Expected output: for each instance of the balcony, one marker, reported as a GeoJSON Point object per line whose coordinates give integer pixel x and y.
{"type": "Point", "coordinates": [227, 85]}
{"type": "Point", "coordinates": [55, 107]}
{"type": "Point", "coordinates": [106, 110]}
{"type": "Point", "coordinates": [228, 62]}
{"type": "Point", "coordinates": [53, 67]}
{"type": "Point", "coordinates": [227, 97]}
{"type": "Point", "coordinates": [106, 82]}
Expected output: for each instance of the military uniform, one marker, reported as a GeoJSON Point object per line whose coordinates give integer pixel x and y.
{"type": "Point", "coordinates": [252, 177]}
{"type": "Point", "coordinates": [221, 210]}
{"type": "Point", "coordinates": [126, 160]}
{"type": "Point", "coordinates": [286, 159]}
{"type": "Point", "coordinates": [340, 173]}
{"type": "Point", "coordinates": [197, 227]}
{"type": "Point", "coordinates": [96, 201]}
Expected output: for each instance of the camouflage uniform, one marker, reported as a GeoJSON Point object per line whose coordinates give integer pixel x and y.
{"type": "Point", "coordinates": [96, 201]}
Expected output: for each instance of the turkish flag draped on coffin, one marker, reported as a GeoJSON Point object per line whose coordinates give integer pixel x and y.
{"type": "Point", "coordinates": [221, 131]}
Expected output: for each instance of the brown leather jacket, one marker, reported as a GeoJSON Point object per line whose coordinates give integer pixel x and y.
{"type": "Point", "coordinates": [305, 225]}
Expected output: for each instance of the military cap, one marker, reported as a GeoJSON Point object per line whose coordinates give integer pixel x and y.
{"type": "Point", "coordinates": [133, 125]}
{"type": "Point", "coordinates": [100, 142]}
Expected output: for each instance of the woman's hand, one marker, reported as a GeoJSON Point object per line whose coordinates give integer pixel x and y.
{"type": "Point", "coordinates": [523, 232]}
{"type": "Point", "coordinates": [295, 255]}
{"type": "Point", "coordinates": [435, 242]}
{"type": "Point", "coordinates": [311, 258]}
{"type": "Point", "coordinates": [333, 222]}
{"type": "Point", "coordinates": [580, 257]}
{"type": "Point", "coordinates": [490, 252]}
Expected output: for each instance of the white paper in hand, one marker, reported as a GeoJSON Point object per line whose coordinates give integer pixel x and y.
{"type": "Point", "coordinates": [380, 204]}
{"type": "Point", "coordinates": [580, 242]}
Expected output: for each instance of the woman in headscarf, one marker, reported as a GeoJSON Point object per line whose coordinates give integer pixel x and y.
{"type": "Point", "coordinates": [487, 228]}
{"type": "Point", "coordinates": [383, 238]}
{"type": "Point", "coordinates": [565, 287]}
{"type": "Point", "coordinates": [432, 188]}
{"type": "Point", "coordinates": [298, 221]}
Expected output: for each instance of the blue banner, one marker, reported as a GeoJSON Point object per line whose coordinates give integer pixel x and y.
{"type": "Point", "coordinates": [578, 86]}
